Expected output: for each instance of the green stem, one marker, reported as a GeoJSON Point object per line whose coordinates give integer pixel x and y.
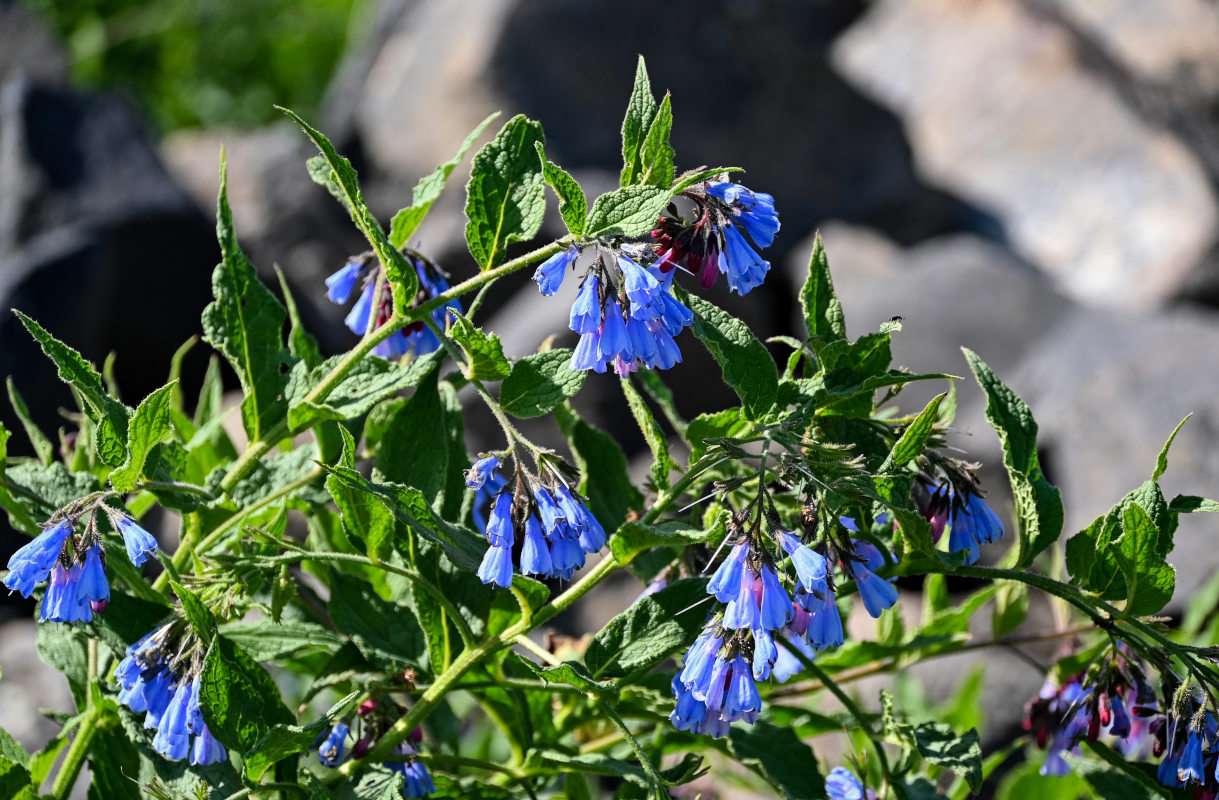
{"type": "Point", "coordinates": [174, 486]}
{"type": "Point", "coordinates": [69, 771]}
{"type": "Point", "coordinates": [658, 784]}
{"type": "Point", "coordinates": [539, 651]}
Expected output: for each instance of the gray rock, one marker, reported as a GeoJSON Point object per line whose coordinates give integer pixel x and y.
{"type": "Point", "coordinates": [29, 686]}
{"type": "Point", "coordinates": [1107, 394]}
{"type": "Point", "coordinates": [1000, 111]}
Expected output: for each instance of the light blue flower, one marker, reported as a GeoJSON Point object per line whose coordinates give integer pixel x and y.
{"type": "Point", "coordinates": [549, 275]}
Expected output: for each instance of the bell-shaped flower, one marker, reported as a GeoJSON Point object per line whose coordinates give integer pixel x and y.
{"type": "Point", "coordinates": [549, 275]}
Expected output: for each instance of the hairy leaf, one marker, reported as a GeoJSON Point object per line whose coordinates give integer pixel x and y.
{"type": "Point", "coordinates": [540, 382]}
{"type": "Point", "coordinates": [745, 362]}
{"type": "Point", "coordinates": [506, 194]}
{"type": "Point", "coordinates": [573, 205]}
{"type": "Point", "coordinates": [628, 212]}
{"type": "Point", "coordinates": [653, 629]}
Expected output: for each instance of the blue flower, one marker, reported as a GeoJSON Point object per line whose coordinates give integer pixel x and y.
{"type": "Point", "coordinates": [754, 210]}
{"type": "Point", "coordinates": [59, 604]}
{"type": "Point", "coordinates": [535, 555]}
{"type": "Point", "coordinates": [824, 623]}
{"type": "Point", "coordinates": [592, 535]}
{"type": "Point", "coordinates": [786, 664]}
{"type": "Point", "coordinates": [496, 566]}
{"type": "Point", "coordinates": [698, 663]}
{"type": "Point", "coordinates": [418, 783]}
{"type": "Point", "coordinates": [841, 784]}
{"type": "Point", "coordinates": [92, 586]}
{"type": "Point", "coordinates": [357, 319]}
{"type": "Point", "coordinates": [689, 713]}
{"type": "Point", "coordinates": [666, 353]}
{"type": "Point", "coordinates": [549, 276]}
{"type": "Point", "coordinates": [810, 565]}
{"type": "Point", "coordinates": [173, 739]}
{"type": "Point", "coordinates": [641, 288]}
{"type": "Point", "coordinates": [330, 752]}
{"type": "Point", "coordinates": [483, 469]}
{"type": "Point", "coordinates": [587, 354]}
{"type": "Point", "coordinates": [548, 508]}
{"type": "Point", "coordinates": [725, 584]}
{"type": "Point", "coordinates": [614, 341]}
{"type": "Point", "coordinates": [32, 564]}
{"type": "Point", "coordinates": [741, 698]}
{"type": "Point", "coordinates": [876, 592]}
{"type": "Point", "coordinates": [1191, 766]}
{"type": "Point", "coordinates": [586, 310]}
{"type": "Point", "coordinates": [764, 653]}
{"type": "Point", "coordinates": [1166, 774]}
{"type": "Point", "coordinates": [340, 284]}
{"type": "Point", "coordinates": [139, 543]}
{"type": "Point", "coordinates": [776, 605]}
{"type": "Point", "coordinates": [746, 270]}
{"type": "Point", "coordinates": [566, 556]}
{"type": "Point", "coordinates": [499, 523]}
{"type": "Point", "coordinates": [742, 610]}
{"type": "Point", "coordinates": [206, 750]}
{"type": "Point", "coordinates": [971, 521]}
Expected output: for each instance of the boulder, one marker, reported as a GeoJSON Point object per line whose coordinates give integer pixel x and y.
{"type": "Point", "coordinates": [1000, 111]}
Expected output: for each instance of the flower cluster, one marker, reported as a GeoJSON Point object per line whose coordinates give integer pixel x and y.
{"type": "Point", "coordinates": [415, 339]}
{"type": "Point", "coordinates": [625, 311]}
{"type": "Point", "coordinates": [548, 526]}
{"type": "Point", "coordinates": [761, 627]}
{"type": "Point", "coordinates": [729, 221]}
{"type": "Point", "coordinates": [374, 718]}
{"type": "Point", "coordinates": [1188, 739]}
{"type": "Point", "coordinates": [970, 521]}
{"type": "Point", "coordinates": [74, 562]}
{"type": "Point", "coordinates": [159, 681]}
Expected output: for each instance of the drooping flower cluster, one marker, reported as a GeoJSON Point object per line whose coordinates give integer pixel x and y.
{"type": "Point", "coordinates": [70, 553]}
{"type": "Point", "coordinates": [625, 311]}
{"type": "Point", "coordinates": [1187, 737]}
{"type": "Point", "coordinates": [970, 521]}
{"type": "Point", "coordinates": [730, 223]}
{"type": "Point", "coordinates": [415, 339]}
{"type": "Point", "coordinates": [761, 627]}
{"type": "Point", "coordinates": [545, 524]}
{"type": "Point", "coordinates": [373, 719]}
{"type": "Point", "coordinates": [160, 678]}
{"type": "Point", "coordinates": [841, 784]}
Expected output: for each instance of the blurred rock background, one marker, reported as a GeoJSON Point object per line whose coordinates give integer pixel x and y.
{"type": "Point", "coordinates": [1034, 179]}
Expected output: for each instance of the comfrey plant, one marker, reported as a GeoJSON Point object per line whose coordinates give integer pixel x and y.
{"type": "Point", "coordinates": [354, 606]}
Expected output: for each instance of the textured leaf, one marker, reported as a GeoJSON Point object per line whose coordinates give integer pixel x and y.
{"type": "Point", "coordinates": [428, 190]}
{"type": "Point", "coordinates": [301, 343]}
{"type": "Point", "coordinates": [573, 205]}
{"type": "Point", "coordinates": [1190, 504]}
{"type": "Point", "coordinates": [506, 194]}
{"type": "Point", "coordinates": [266, 640]}
{"type": "Point", "coordinates": [1121, 779]}
{"type": "Point", "coordinates": [719, 425]}
{"type": "Point", "coordinates": [245, 323]}
{"type": "Point", "coordinates": [485, 359]}
{"type": "Point", "coordinates": [357, 611]}
{"type": "Point", "coordinates": [540, 382]}
{"type": "Point", "coordinates": [344, 184]}
{"type": "Point", "coordinates": [415, 451]}
{"type": "Point", "coordinates": [914, 437]}
{"type": "Point", "coordinates": [822, 312]}
{"type": "Point", "coordinates": [197, 614]}
{"type": "Point", "coordinates": [147, 428]}
{"type": "Point", "coordinates": [239, 699]}
{"type": "Point", "coordinates": [370, 381]}
{"type": "Point", "coordinates": [284, 740]}
{"type": "Point", "coordinates": [15, 781]}
{"type": "Point", "coordinates": [1038, 502]}
{"type": "Point", "coordinates": [962, 754]}
{"type": "Point", "coordinates": [653, 629]}
{"type": "Point", "coordinates": [1011, 608]}
{"type": "Point", "coordinates": [779, 756]}
{"type": "Point", "coordinates": [571, 673]}
{"type": "Point", "coordinates": [42, 446]}
{"type": "Point", "coordinates": [640, 111]}
{"type": "Point", "coordinates": [628, 212]}
{"type": "Point", "coordinates": [662, 463]}
{"type": "Point", "coordinates": [109, 414]}
{"type": "Point", "coordinates": [656, 154]}
{"type": "Point", "coordinates": [744, 361]}
{"type": "Point", "coordinates": [635, 537]}
{"type": "Point", "coordinates": [688, 179]}
{"type": "Point", "coordinates": [1150, 580]}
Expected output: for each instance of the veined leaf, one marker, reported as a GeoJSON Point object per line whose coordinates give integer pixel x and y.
{"type": "Point", "coordinates": [640, 111]}
{"type": "Point", "coordinates": [745, 362]}
{"type": "Point", "coordinates": [628, 212]}
{"type": "Point", "coordinates": [539, 382]}
{"type": "Point", "coordinates": [573, 205]}
{"type": "Point", "coordinates": [506, 194]}
{"type": "Point", "coordinates": [147, 428]}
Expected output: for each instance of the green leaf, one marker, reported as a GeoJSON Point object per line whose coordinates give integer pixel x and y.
{"type": "Point", "coordinates": [962, 754]}
{"type": "Point", "coordinates": [914, 437]}
{"type": "Point", "coordinates": [540, 382]}
{"type": "Point", "coordinates": [1038, 502]}
{"type": "Point", "coordinates": [42, 446]}
{"type": "Point", "coordinates": [688, 179]}
{"type": "Point", "coordinates": [266, 640]}
{"type": "Point", "coordinates": [63, 647]}
{"type": "Point", "coordinates": [822, 312]}
{"type": "Point", "coordinates": [640, 111]}
{"type": "Point", "coordinates": [1011, 608]}
{"type": "Point", "coordinates": [344, 184]}
{"type": "Point", "coordinates": [1121, 779]}
{"type": "Point", "coordinates": [1150, 580]}
{"type": "Point", "coordinates": [357, 611]}
{"type": "Point", "coordinates": [245, 323]}
{"type": "Point", "coordinates": [779, 756]}
{"type": "Point", "coordinates": [197, 614]}
{"type": "Point", "coordinates": [506, 194]}
{"type": "Point", "coordinates": [415, 451]}
{"type": "Point", "coordinates": [1191, 504]}
{"type": "Point", "coordinates": [301, 343]}
{"type": "Point", "coordinates": [571, 673]}
{"type": "Point", "coordinates": [369, 382]}
{"type": "Point", "coordinates": [428, 190]}
{"type": "Point", "coordinates": [606, 484]}
{"type": "Point", "coordinates": [284, 740]}
{"type": "Point", "coordinates": [595, 764]}
{"type": "Point", "coordinates": [147, 428]}
{"type": "Point", "coordinates": [109, 414]}
{"type": "Point", "coordinates": [1162, 458]}
{"type": "Point", "coordinates": [15, 781]}
{"type": "Point", "coordinates": [726, 423]}
{"type": "Point", "coordinates": [485, 359]}
{"type": "Point", "coordinates": [662, 463]}
{"type": "Point", "coordinates": [634, 538]}
{"type": "Point", "coordinates": [573, 205]}
{"type": "Point", "coordinates": [628, 212]}
{"type": "Point", "coordinates": [238, 698]}
{"type": "Point", "coordinates": [656, 154]}
{"type": "Point", "coordinates": [745, 362]}
{"type": "Point", "coordinates": [652, 629]}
